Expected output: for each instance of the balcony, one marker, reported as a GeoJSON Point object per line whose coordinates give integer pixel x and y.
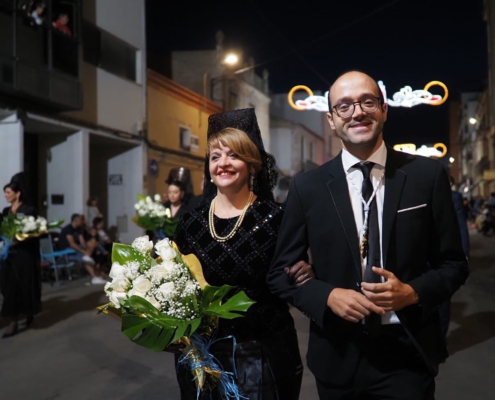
{"type": "Point", "coordinates": [39, 60]}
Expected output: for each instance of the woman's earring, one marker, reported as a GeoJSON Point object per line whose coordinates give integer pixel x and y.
{"type": "Point", "coordinates": [251, 182]}
{"type": "Point", "coordinates": [211, 180]}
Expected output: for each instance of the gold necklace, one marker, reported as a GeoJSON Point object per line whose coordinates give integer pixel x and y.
{"type": "Point", "coordinates": [237, 225]}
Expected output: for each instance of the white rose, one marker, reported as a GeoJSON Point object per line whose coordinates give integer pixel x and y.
{"type": "Point", "coordinates": [134, 292]}
{"type": "Point", "coordinates": [142, 244]}
{"type": "Point", "coordinates": [120, 285]}
{"type": "Point", "coordinates": [148, 200]}
{"type": "Point", "coordinates": [164, 250]}
{"type": "Point", "coordinates": [137, 206]}
{"type": "Point", "coordinates": [153, 302]}
{"type": "Point", "coordinates": [31, 218]}
{"type": "Point", "coordinates": [141, 284]}
{"type": "Point", "coordinates": [158, 198]}
{"type": "Point", "coordinates": [167, 290]}
{"type": "Point", "coordinates": [158, 273]}
{"type": "Point", "coordinates": [117, 298]}
{"type": "Point", "coordinates": [142, 213]}
{"type": "Point", "coordinates": [117, 271]}
{"type": "Point", "coordinates": [190, 287]}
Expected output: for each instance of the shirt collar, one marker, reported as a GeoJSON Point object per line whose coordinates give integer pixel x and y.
{"type": "Point", "coordinates": [379, 157]}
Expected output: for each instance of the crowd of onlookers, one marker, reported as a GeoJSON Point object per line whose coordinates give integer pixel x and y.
{"type": "Point", "coordinates": [35, 15]}
{"type": "Point", "coordinates": [481, 214]}
{"type": "Point", "coordinates": [91, 243]}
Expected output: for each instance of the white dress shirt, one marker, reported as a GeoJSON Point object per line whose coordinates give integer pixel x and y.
{"type": "Point", "coordinates": [355, 181]}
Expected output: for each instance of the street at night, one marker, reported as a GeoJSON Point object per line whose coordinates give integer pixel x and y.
{"type": "Point", "coordinates": [71, 353]}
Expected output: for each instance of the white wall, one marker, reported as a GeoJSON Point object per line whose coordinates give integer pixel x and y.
{"type": "Point", "coordinates": [11, 150]}
{"type": "Point", "coordinates": [68, 175]}
{"type": "Point", "coordinates": [121, 198]}
{"type": "Point", "coordinates": [122, 18]}
{"type": "Point", "coordinates": [119, 102]}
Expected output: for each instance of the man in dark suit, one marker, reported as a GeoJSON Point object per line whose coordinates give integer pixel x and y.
{"type": "Point", "coordinates": [386, 251]}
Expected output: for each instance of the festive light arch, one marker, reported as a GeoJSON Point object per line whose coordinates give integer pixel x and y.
{"type": "Point", "coordinates": [438, 150]}
{"type": "Point", "coordinates": [405, 97]}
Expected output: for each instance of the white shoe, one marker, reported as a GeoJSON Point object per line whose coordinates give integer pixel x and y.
{"type": "Point", "coordinates": [98, 281]}
{"type": "Point", "coordinates": [88, 260]}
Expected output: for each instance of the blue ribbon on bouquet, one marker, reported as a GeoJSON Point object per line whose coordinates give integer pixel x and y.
{"type": "Point", "coordinates": [5, 249]}
{"type": "Point", "coordinates": [226, 383]}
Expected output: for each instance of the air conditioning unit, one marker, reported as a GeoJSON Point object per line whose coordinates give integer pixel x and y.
{"type": "Point", "coordinates": [194, 144]}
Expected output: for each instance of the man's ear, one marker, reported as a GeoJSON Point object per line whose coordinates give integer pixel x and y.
{"type": "Point", "coordinates": [330, 120]}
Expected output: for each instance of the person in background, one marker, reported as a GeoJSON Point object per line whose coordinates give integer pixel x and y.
{"type": "Point", "coordinates": [195, 201]}
{"type": "Point", "coordinates": [37, 16]}
{"type": "Point", "coordinates": [103, 238]}
{"type": "Point", "coordinates": [61, 24]}
{"type": "Point", "coordinates": [175, 193]}
{"type": "Point", "coordinates": [444, 309]}
{"type": "Point", "coordinates": [70, 237]}
{"type": "Point", "coordinates": [165, 199]}
{"type": "Point", "coordinates": [93, 210]}
{"type": "Point", "coordinates": [20, 281]}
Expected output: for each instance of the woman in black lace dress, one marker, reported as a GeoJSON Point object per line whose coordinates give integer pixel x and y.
{"type": "Point", "coordinates": [234, 236]}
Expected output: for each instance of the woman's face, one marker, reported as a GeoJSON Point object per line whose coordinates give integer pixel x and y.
{"type": "Point", "coordinates": [11, 196]}
{"type": "Point", "coordinates": [94, 203]}
{"type": "Point", "coordinates": [174, 194]}
{"type": "Point", "coordinates": [227, 170]}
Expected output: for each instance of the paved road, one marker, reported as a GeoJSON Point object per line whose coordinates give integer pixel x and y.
{"type": "Point", "coordinates": [73, 354]}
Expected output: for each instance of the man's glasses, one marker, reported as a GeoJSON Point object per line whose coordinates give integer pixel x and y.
{"type": "Point", "coordinates": [369, 105]}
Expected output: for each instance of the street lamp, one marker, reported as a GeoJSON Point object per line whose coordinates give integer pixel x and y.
{"type": "Point", "coordinates": [472, 120]}
{"type": "Point", "coordinates": [231, 59]}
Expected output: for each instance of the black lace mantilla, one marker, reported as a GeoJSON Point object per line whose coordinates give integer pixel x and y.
{"type": "Point", "coordinates": [243, 261]}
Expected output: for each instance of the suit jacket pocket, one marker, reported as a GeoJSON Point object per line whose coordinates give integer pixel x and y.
{"type": "Point", "coordinates": [412, 208]}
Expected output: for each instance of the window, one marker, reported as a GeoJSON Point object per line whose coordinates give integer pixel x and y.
{"type": "Point", "coordinates": [108, 52]}
{"type": "Point", "coordinates": [185, 138]}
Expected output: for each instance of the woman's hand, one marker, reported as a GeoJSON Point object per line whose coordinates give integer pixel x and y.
{"type": "Point", "coordinates": [300, 273]}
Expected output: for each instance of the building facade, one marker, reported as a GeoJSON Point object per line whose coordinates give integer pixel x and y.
{"type": "Point", "coordinates": [176, 134]}
{"type": "Point", "coordinates": [73, 106]}
{"type": "Point", "coordinates": [230, 86]}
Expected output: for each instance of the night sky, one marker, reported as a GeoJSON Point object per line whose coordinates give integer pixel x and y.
{"type": "Point", "coordinates": [401, 42]}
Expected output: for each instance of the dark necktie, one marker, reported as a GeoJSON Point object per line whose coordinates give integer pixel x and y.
{"type": "Point", "coordinates": [372, 322]}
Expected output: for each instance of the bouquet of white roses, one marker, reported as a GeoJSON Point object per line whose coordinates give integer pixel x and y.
{"type": "Point", "coordinates": [152, 215]}
{"type": "Point", "coordinates": [166, 301]}
{"type": "Point", "coordinates": [22, 227]}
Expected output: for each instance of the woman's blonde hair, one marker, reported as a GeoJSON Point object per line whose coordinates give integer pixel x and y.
{"type": "Point", "coordinates": [240, 143]}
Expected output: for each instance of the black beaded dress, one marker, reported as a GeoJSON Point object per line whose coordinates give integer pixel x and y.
{"type": "Point", "coordinates": [267, 360]}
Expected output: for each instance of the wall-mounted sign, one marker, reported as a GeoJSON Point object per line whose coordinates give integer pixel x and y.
{"type": "Point", "coordinates": [153, 167]}
{"type": "Point", "coordinates": [438, 150]}
{"type": "Point", "coordinates": [115, 180]}
{"type": "Point", "coordinates": [406, 97]}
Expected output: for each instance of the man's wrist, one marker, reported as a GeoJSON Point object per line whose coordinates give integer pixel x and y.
{"type": "Point", "coordinates": [412, 297]}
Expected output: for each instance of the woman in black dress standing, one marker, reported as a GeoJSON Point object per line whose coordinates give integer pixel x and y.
{"type": "Point", "coordinates": [20, 272]}
{"type": "Point", "coordinates": [234, 236]}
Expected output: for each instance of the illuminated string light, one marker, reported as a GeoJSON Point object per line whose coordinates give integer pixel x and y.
{"type": "Point", "coordinates": [438, 150]}
{"type": "Point", "coordinates": [406, 97]}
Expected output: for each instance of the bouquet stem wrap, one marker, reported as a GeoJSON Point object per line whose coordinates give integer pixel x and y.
{"type": "Point", "coordinates": [202, 363]}
{"type": "Point", "coordinates": [5, 249]}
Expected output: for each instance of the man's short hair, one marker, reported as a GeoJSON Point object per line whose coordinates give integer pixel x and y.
{"type": "Point", "coordinates": [74, 217]}
{"type": "Point", "coordinates": [63, 15]}
{"type": "Point", "coordinates": [380, 94]}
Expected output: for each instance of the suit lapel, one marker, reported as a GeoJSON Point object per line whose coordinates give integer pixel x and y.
{"type": "Point", "coordinates": [339, 192]}
{"type": "Point", "coordinates": [394, 183]}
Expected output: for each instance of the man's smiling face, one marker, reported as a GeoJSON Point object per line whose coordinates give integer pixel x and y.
{"type": "Point", "coordinates": [361, 129]}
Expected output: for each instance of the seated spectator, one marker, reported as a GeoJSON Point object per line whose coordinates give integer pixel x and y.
{"type": "Point", "coordinates": [72, 236]}
{"type": "Point", "coordinates": [99, 231]}
{"type": "Point", "coordinates": [37, 16]}
{"type": "Point", "coordinates": [61, 24]}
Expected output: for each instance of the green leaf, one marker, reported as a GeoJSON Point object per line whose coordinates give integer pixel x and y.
{"type": "Point", "coordinates": [240, 302]}
{"type": "Point", "coordinates": [141, 197]}
{"type": "Point", "coordinates": [152, 329]}
{"type": "Point", "coordinates": [213, 294]}
{"type": "Point", "coordinates": [123, 253]}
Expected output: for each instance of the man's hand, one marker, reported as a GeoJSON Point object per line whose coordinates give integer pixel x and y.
{"type": "Point", "coordinates": [300, 273]}
{"type": "Point", "coordinates": [392, 295]}
{"type": "Point", "coordinates": [351, 305]}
